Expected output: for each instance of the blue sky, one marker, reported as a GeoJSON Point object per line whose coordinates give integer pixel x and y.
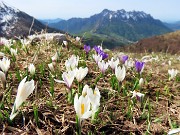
{"type": "Point", "coordinates": [165, 10]}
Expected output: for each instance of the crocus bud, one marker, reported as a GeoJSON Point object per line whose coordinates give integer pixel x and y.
{"type": "Point", "coordinates": [141, 82]}
{"type": "Point", "coordinates": [87, 48]}
{"type": "Point", "coordinates": [51, 67]}
{"type": "Point", "coordinates": [5, 64]}
{"type": "Point", "coordinates": [120, 73]}
{"type": "Point", "coordinates": [3, 79]}
{"type": "Point", "coordinates": [32, 69]}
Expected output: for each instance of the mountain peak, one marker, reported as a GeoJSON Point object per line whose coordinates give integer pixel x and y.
{"type": "Point", "coordinates": [13, 22]}
{"type": "Point", "coordinates": [120, 26]}
{"type": "Point", "coordinates": [106, 10]}
{"type": "Point", "coordinates": [5, 6]}
{"type": "Point", "coordinates": [125, 15]}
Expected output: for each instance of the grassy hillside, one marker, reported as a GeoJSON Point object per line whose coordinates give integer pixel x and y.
{"type": "Point", "coordinates": [167, 43]}
{"type": "Point", "coordinates": [49, 109]}
{"type": "Point", "coordinates": [109, 42]}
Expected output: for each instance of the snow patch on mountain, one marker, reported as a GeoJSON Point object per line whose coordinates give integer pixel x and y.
{"type": "Point", "coordinates": [135, 15]}
{"type": "Point", "coordinates": [8, 17]}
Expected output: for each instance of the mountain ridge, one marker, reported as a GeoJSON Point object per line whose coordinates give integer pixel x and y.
{"type": "Point", "coordinates": [174, 25]}
{"type": "Point", "coordinates": [131, 25]}
{"type": "Point", "coordinates": [14, 22]}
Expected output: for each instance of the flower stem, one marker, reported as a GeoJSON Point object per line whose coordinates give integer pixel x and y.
{"type": "Point", "coordinates": [119, 86]}
{"type": "Point", "coordinates": [79, 89]}
{"type": "Point", "coordinates": [70, 100]}
{"type": "Point", "coordinates": [78, 125]}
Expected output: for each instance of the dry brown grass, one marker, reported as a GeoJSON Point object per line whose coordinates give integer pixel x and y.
{"type": "Point", "coordinates": [167, 43]}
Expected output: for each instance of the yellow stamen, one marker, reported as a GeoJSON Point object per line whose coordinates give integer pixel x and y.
{"type": "Point", "coordinates": [94, 92]}
{"type": "Point", "coordinates": [82, 108]}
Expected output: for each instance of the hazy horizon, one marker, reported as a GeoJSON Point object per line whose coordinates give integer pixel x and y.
{"type": "Point", "coordinates": [167, 11]}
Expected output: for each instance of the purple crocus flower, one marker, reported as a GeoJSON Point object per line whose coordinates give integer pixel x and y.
{"type": "Point", "coordinates": [87, 48]}
{"type": "Point", "coordinates": [103, 54]}
{"type": "Point", "coordinates": [98, 49]}
{"type": "Point", "coordinates": [124, 58]}
{"type": "Point", "coordinates": [139, 66]}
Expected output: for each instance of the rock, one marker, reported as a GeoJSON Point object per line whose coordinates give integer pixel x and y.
{"type": "Point", "coordinates": [58, 39]}
{"type": "Point", "coordinates": [35, 41]}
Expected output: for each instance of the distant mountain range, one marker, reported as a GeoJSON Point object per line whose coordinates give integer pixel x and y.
{"type": "Point", "coordinates": [14, 22]}
{"type": "Point", "coordinates": [174, 26]}
{"type": "Point", "coordinates": [49, 21]}
{"type": "Point", "coordinates": [113, 27]}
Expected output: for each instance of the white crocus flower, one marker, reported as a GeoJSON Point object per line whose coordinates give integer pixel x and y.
{"type": "Point", "coordinates": [120, 73]}
{"type": "Point", "coordinates": [85, 90]}
{"type": "Point", "coordinates": [13, 51]}
{"type": "Point", "coordinates": [24, 90]}
{"type": "Point", "coordinates": [174, 131]}
{"type": "Point", "coordinates": [113, 63]}
{"type": "Point", "coordinates": [65, 43]}
{"type": "Point", "coordinates": [7, 43]}
{"type": "Point", "coordinates": [3, 79]}
{"type": "Point", "coordinates": [78, 39]}
{"type": "Point", "coordinates": [5, 64]}
{"type": "Point", "coordinates": [68, 78]}
{"type": "Point", "coordinates": [129, 63]}
{"type": "Point", "coordinates": [25, 43]}
{"type": "Point", "coordinates": [97, 58]}
{"type": "Point", "coordinates": [55, 57]}
{"type": "Point", "coordinates": [72, 62]}
{"type": "Point", "coordinates": [81, 73]}
{"type": "Point", "coordinates": [103, 66]}
{"type": "Point", "coordinates": [94, 97]}
{"type": "Point", "coordinates": [51, 67]}
{"type": "Point", "coordinates": [169, 62]}
{"type": "Point", "coordinates": [147, 58]}
{"type": "Point", "coordinates": [4, 41]}
{"type": "Point", "coordinates": [139, 96]}
{"type": "Point", "coordinates": [82, 107]}
{"type": "Point", "coordinates": [141, 82]}
{"type": "Point", "coordinates": [32, 69]}
{"type": "Point", "coordinates": [172, 73]}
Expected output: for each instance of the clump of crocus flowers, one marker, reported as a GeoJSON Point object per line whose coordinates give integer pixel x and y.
{"type": "Point", "coordinates": [172, 73]}
{"type": "Point", "coordinates": [100, 51]}
{"type": "Point", "coordinates": [113, 63]}
{"type": "Point", "coordinates": [86, 105]}
{"type": "Point", "coordinates": [4, 66]}
{"type": "Point", "coordinates": [72, 62]}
